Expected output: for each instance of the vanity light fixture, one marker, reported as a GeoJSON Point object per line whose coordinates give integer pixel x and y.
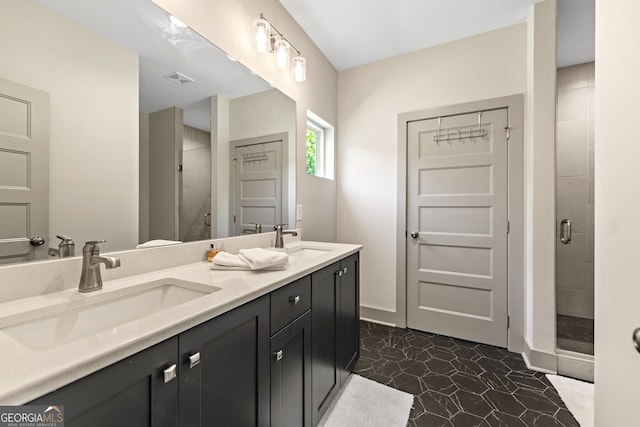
{"type": "Point", "coordinates": [282, 53]}
{"type": "Point", "coordinates": [269, 39]}
{"type": "Point", "coordinates": [263, 34]}
{"type": "Point", "coordinates": [299, 69]}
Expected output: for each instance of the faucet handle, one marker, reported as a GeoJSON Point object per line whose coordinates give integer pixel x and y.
{"type": "Point", "coordinates": [92, 245]}
{"type": "Point", "coordinates": [66, 240]}
{"type": "Point", "coordinates": [279, 226]}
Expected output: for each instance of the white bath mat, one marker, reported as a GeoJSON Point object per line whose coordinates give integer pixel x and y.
{"type": "Point", "coordinates": [577, 395]}
{"type": "Point", "coordinates": [366, 403]}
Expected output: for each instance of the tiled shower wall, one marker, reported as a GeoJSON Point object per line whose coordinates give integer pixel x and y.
{"type": "Point", "coordinates": [574, 189]}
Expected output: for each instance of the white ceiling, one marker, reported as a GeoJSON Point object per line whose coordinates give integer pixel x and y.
{"type": "Point", "coordinates": [357, 32]}
{"type": "Point", "coordinates": [163, 48]}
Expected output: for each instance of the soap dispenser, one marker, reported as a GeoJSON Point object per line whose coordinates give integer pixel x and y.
{"type": "Point", "coordinates": [213, 250]}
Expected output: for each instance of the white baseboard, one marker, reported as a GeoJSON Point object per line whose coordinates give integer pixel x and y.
{"type": "Point", "coordinates": [540, 360]}
{"type": "Point", "coordinates": [576, 365]}
{"type": "Point", "coordinates": [378, 315]}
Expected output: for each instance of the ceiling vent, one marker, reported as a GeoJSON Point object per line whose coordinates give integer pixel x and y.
{"type": "Point", "coordinates": [179, 78]}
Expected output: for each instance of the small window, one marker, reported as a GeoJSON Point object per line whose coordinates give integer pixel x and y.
{"type": "Point", "coordinates": [319, 155]}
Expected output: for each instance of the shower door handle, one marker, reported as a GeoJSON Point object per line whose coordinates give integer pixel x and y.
{"type": "Point", "coordinates": [207, 219]}
{"type": "Point", "coordinates": [636, 339]}
{"type": "Point", "coordinates": [565, 231]}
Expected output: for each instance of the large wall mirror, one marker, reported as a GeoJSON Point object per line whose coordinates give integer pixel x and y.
{"type": "Point", "coordinates": [152, 132]}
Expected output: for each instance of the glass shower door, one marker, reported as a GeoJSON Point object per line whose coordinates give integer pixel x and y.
{"type": "Point", "coordinates": [574, 208]}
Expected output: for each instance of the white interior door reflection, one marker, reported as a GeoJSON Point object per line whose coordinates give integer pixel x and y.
{"type": "Point", "coordinates": [258, 184]}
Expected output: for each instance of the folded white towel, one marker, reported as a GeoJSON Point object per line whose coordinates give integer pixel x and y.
{"type": "Point", "coordinates": [229, 260]}
{"type": "Point", "coordinates": [258, 258]}
{"type": "Point", "coordinates": [246, 268]}
{"type": "Point", "coordinates": [156, 243]}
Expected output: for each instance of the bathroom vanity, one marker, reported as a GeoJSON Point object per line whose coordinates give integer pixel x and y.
{"type": "Point", "coordinates": [238, 348]}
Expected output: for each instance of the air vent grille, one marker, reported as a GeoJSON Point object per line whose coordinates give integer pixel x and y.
{"type": "Point", "coordinates": [179, 78]}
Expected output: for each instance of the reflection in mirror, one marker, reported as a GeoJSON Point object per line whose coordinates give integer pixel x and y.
{"type": "Point", "coordinates": [143, 115]}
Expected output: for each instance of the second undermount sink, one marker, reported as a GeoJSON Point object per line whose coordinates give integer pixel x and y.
{"type": "Point", "coordinates": [303, 252]}
{"type": "Point", "coordinates": [83, 317]}
{"type": "Point", "coordinates": [297, 251]}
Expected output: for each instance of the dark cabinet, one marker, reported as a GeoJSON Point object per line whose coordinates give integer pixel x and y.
{"type": "Point", "coordinates": [324, 325]}
{"type": "Point", "coordinates": [215, 374]}
{"type": "Point", "coordinates": [132, 392]}
{"type": "Point", "coordinates": [291, 374]}
{"type": "Point", "coordinates": [335, 330]}
{"type": "Point", "coordinates": [224, 369]}
{"type": "Point", "coordinates": [276, 361]}
{"type": "Point", "coordinates": [349, 316]}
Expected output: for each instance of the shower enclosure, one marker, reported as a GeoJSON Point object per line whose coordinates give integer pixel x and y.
{"type": "Point", "coordinates": [574, 208]}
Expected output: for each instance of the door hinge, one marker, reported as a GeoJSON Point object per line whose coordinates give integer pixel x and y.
{"type": "Point", "coordinates": [234, 218]}
{"type": "Point", "coordinates": [179, 168]}
{"type": "Point", "coordinates": [508, 130]}
{"type": "Point", "coordinates": [234, 163]}
{"type": "Point", "coordinates": [508, 227]}
{"type": "Point", "coordinates": [508, 322]}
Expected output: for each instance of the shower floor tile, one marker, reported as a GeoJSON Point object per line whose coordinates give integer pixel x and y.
{"type": "Point", "coordinates": [459, 383]}
{"type": "Point", "coordinates": [575, 334]}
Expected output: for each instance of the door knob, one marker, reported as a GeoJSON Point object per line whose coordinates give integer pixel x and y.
{"type": "Point", "coordinates": [36, 241]}
{"type": "Point", "coordinates": [415, 234]}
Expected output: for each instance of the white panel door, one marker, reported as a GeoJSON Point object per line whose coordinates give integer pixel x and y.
{"type": "Point", "coordinates": [258, 186]}
{"type": "Point", "coordinates": [24, 172]}
{"type": "Point", "coordinates": [457, 227]}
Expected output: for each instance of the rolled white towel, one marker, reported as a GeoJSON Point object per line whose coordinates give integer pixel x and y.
{"type": "Point", "coordinates": [258, 258]}
{"type": "Point", "coordinates": [225, 259]}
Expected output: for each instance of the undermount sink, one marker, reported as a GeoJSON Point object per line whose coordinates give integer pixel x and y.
{"type": "Point", "coordinates": [303, 251]}
{"type": "Point", "coordinates": [104, 312]}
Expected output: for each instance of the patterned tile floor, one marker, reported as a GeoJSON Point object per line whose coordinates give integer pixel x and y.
{"type": "Point", "coordinates": [459, 383]}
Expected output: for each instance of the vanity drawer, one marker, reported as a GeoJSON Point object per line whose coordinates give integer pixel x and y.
{"type": "Point", "coordinates": [289, 302]}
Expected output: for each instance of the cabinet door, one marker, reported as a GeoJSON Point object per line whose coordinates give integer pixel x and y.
{"type": "Point", "coordinates": [349, 323]}
{"type": "Point", "coordinates": [291, 374]}
{"type": "Point", "coordinates": [324, 351]}
{"type": "Point", "coordinates": [224, 369]}
{"type": "Point", "coordinates": [131, 392]}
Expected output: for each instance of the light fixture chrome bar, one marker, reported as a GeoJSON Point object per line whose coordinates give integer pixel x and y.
{"type": "Point", "coordinates": [273, 39]}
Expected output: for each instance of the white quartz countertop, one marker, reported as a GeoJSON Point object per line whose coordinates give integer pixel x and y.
{"type": "Point", "coordinates": [29, 374]}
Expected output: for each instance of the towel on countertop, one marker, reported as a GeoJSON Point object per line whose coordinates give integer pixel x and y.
{"type": "Point", "coordinates": [225, 259]}
{"type": "Point", "coordinates": [250, 259]}
{"type": "Point", "coordinates": [246, 268]}
{"type": "Point", "coordinates": [258, 258]}
{"type": "Point", "coordinates": [156, 243]}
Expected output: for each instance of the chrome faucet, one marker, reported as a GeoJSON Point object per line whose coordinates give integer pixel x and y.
{"type": "Point", "coordinates": [90, 279]}
{"type": "Point", "coordinates": [256, 230]}
{"type": "Point", "coordinates": [66, 248]}
{"type": "Point", "coordinates": [279, 233]}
